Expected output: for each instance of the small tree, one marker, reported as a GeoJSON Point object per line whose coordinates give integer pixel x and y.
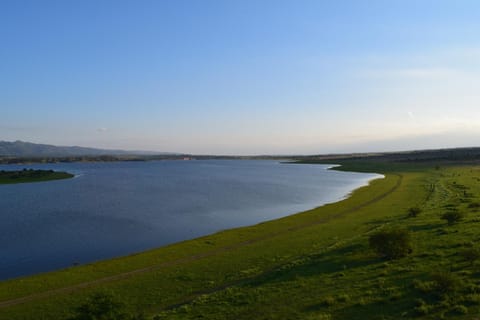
{"type": "Point", "coordinates": [453, 217]}
{"type": "Point", "coordinates": [392, 243]}
{"type": "Point", "coordinates": [414, 211]}
{"type": "Point", "coordinates": [474, 205]}
{"type": "Point", "coordinates": [101, 306]}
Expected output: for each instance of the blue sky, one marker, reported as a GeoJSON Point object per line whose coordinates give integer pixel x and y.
{"type": "Point", "coordinates": [241, 77]}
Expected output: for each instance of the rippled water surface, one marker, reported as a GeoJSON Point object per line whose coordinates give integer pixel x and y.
{"type": "Point", "coordinates": [117, 208]}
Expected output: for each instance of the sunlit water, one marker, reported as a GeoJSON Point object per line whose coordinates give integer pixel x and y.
{"type": "Point", "coordinates": [117, 208]}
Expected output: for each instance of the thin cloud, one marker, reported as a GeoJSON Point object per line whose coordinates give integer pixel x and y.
{"type": "Point", "coordinates": [413, 73]}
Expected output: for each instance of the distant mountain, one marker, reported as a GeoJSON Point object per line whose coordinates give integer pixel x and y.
{"type": "Point", "coordinates": [27, 149]}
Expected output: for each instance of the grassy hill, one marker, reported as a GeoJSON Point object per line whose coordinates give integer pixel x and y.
{"type": "Point", "coordinates": [314, 265]}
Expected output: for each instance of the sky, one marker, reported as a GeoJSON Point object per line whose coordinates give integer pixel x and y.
{"type": "Point", "coordinates": [241, 76]}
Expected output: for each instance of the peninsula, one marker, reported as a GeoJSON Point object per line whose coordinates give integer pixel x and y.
{"type": "Point", "coordinates": [31, 175]}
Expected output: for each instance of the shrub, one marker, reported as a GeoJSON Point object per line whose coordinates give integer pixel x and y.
{"type": "Point", "coordinates": [445, 283]}
{"type": "Point", "coordinates": [391, 244]}
{"type": "Point", "coordinates": [328, 301]}
{"type": "Point", "coordinates": [423, 286]}
{"type": "Point", "coordinates": [343, 297]}
{"type": "Point", "coordinates": [453, 216]}
{"type": "Point", "coordinates": [320, 316]}
{"type": "Point", "coordinates": [472, 299]}
{"type": "Point", "coordinates": [471, 255]}
{"type": "Point", "coordinates": [100, 306]}
{"type": "Point", "coordinates": [474, 205]}
{"type": "Point", "coordinates": [421, 308]}
{"type": "Point", "coordinates": [460, 309]}
{"type": "Point", "coordinates": [413, 212]}
{"type": "Point", "coordinates": [104, 306]}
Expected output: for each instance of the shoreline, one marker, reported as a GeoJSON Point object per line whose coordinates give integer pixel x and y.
{"type": "Point", "coordinates": [342, 198]}
{"type": "Point", "coordinates": [238, 246]}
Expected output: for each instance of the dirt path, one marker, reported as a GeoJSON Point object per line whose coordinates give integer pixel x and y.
{"type": "Point", "coordinates": [120, 276]}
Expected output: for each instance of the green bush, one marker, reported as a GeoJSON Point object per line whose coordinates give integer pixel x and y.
{"type": "Point", "coordinates": [391, 243]}
{"type": "Point", "coordinates": [343, 297]}
{"type": "Point", "coordinates": [100, 306]}
{"type": "Point", "coordinates": [470, 255]}
{"type": "Point", "coordinates": [472, 299]}
{"type": "Point", "coordinates": [413, 212]}
{"type": "Point", "coordinates": [320, 316]}
{"type": "Point", "coordinates": [445, 283]}
{"type": "Point", "coordinates": [104, 306]}
{"type": "Point", "coordinates": [328, 301]}
{"type": "Point", "coordinates": [460, 309]}
{"type": "Point", "coordinates": [474, 205]}
{"type": "Point", "coordinates": [422, 308]}
{"type": "Point", "coordinates": [423, 286]}
{"type": "Point", "coordinates": [453, 217]}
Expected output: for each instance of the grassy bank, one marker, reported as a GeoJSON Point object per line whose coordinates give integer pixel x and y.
{"type": "Point", "coordinates": [313, 265]}
{"type": "Point", "coordinates": [30, 175]}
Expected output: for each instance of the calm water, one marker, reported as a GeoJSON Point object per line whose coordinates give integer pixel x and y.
{"type": "Point", "coordinates": [117, 208]}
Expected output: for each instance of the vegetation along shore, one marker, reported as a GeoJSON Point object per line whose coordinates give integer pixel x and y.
{"type": "Point", "coordinates": [31, 175]}
{"type": "Point", "coordinates": [403, 247]}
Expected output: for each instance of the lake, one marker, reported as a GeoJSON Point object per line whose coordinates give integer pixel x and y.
{"type": "Point", "coordinates": [118, 208]}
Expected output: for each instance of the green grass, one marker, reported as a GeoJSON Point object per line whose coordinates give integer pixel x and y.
{"type": "Point", "coordinates": [30, 175]}
{"type": "Point", "coordinates": [313, 265]}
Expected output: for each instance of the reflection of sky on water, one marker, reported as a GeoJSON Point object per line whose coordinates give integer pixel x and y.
{"type": "Point", "coordinates": [118, 208]}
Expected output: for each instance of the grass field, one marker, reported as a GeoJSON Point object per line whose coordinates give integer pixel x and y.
{"type": "Point", "coordinates": [312, 265]}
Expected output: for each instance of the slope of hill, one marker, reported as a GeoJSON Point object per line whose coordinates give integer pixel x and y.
{"type": "Point", "coordinates": [27, 149]}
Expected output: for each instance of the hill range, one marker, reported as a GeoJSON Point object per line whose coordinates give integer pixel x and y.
{"type": "Point", "coordinates": [28, 149]}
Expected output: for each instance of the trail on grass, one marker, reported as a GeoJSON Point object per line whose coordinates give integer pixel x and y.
{"type": "Point", "coordinates": [124, 275]}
